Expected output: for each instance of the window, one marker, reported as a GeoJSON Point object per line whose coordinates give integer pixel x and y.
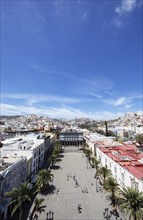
{"type": "Point", "coordinates": [123, 176]}
{"type": "Point", "coordinates": [134, 184]}
{"type": "Point", "coordinates": [115, 169]}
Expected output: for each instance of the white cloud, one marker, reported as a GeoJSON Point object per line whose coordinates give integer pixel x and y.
{"type": "Point", "coordinates": [64, 112]}
{"type": "Point", "coordinates": [127, 6]}
{"type": "Point", "coordinates": [118, 23]}
{"type": "Point", "coordinates": [37, 98]}
{"type": "Point", "coordinates": [96, 95]}
{"type": "Point", "coordinates": [128, 105]}
{"type": "Point", "coordinates": [122, 101]}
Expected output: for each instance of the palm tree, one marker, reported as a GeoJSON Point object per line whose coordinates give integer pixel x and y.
{"type": "Point", "coordinates": [105, 172]}
{"type": "Point", "coordinates": [18, 197]}
{"type": "Point", "coordinates": [132, 201]}
{"type": "Point", "coordinates": [93, 159]}
{"type": "Point", "coordinates": [53, 159]}
{"type": "Point", "coordinates": [37, 207]}
{"type": "Point", "coordinates": [97, 162]}
{"type": "Point", "coordinates": [111, 186]}
{"type": "Point", "coordinates": [88, 153]}
{"type": "Point", "coordinates": [44, 177]}
{"type": "Point", "coordinates": [38, 202]}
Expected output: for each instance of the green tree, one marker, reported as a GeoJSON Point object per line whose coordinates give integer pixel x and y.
{"type": "Point", "coordinates": [111, 186]}
{"type": "Point", "coordinates": [38, 205]}
{"type": "Point", "coordinates": [132, 202]}
{"type": "Point", "coordinates": [18, 197]}
{"type": "Point", "coordinates": [93, 159]}
{"type": "Point", "coordinates": [139, 138]}
{"type": "Point", "coordinates": [53, 159]}
{"type": "Point", "coordinates": [88, 153]}
{"type": "Point", "coordinates": [104, 172]}
{"type": "Point", "coordinates": [96, 162]}
{"type": "Point", "coordinates": [43, 179]}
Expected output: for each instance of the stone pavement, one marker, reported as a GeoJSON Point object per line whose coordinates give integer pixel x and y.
{"type": "Point", "coordinates": [75, 184]}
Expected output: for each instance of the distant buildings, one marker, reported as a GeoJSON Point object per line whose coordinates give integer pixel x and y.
{"type": "Point", "coordinates": [22, 157]}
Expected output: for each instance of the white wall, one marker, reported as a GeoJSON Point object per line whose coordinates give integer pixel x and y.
{"type": "Point", "coordinates": [122, 175]}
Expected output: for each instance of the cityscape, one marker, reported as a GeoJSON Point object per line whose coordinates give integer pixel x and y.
{"type": "Point", "coordinates": [71, 110]}
{"type": "Point", "coordinates": [67, 164]}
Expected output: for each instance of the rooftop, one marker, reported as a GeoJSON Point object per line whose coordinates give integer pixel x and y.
{"type": "Point", "coordinates": [128, 157]}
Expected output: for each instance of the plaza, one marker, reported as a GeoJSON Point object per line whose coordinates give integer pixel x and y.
{"type": "Point", "coordinates": [76, 195]}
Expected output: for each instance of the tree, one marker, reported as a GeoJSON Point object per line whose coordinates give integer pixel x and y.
{"type": "Point", "coordinates": [18, 197]}
{"type": "Point", "coordinates": [38, 206]}
{"type": "Point", "coordinates": [100, 131]}
{"type": "Point", "coordinates": [53, 159]}
{"type": "Point", "coordinates": [88, 153]}
{"type": "Point", "coordinates": [106, 127]}
{"type": "Point", "coordinates": [111, 186]}
{"type": "Point", "coordinates": [93, 159]}
{"type": "Point", "coordinates": [97, 162]}
{"type": "Point", "coordinates": [132, 201]}
{"type": "Point", "coordinates": [44, 177]}
{"type": "Point", "coordinates": [105, 172]}
{"type": "Point", "coordinates": [139, 138]}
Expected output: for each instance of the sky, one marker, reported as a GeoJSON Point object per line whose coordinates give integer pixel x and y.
{"type": "Point", "coordinates": [71, 59]}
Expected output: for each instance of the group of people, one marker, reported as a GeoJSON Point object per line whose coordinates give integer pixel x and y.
{"type": "Point", "coordinates": [85, 190]}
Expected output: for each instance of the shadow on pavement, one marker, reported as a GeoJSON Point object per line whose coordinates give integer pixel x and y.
{"type": "Point", "coordinates": [49, 190]}
{"type": "Point", "coordinates": [55, 167]}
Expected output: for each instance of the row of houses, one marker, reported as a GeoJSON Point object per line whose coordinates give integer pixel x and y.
{"type": "Point", "coordinates": [124, 160]}
{"type": "Point", "coordinates": [20, 160]}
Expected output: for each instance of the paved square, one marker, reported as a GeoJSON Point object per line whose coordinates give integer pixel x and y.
{"type": "Point", "coordinates": [73, 179]}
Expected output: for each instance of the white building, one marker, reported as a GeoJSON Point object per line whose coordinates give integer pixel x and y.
{"type": "Point", "coordinates": [92, 139]}
{"type": "Point", "coordinates": [26, 146]}
{"type": "Point", "coordinates": [125, 163]}
{"type": "Point", "coordinates": [12, 174]}
{"type": "Point", "coordinates": [71, 137]}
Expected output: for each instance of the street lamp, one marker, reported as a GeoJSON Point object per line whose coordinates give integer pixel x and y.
{"type": "Point", "coordinates": [96, 184]}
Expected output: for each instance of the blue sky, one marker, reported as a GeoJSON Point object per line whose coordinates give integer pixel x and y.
{"type": "Point", "coordinates": [68, 59]}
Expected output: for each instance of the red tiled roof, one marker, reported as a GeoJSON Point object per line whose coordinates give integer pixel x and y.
{"type": "Point", "coordinates": [131, 163]}
{"type": "Point", "coordinates": [136, 171]}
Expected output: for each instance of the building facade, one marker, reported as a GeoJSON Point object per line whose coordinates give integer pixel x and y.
{"type": "Point", "coordinates": [125, 163]}
{"type": "Point", "coordinates": [11, 176]}
{"type": "Point", "coordinates": [71, 137]}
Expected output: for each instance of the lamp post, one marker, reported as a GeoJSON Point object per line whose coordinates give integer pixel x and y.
{"type": "Point", "coordinates": [96, 184]}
